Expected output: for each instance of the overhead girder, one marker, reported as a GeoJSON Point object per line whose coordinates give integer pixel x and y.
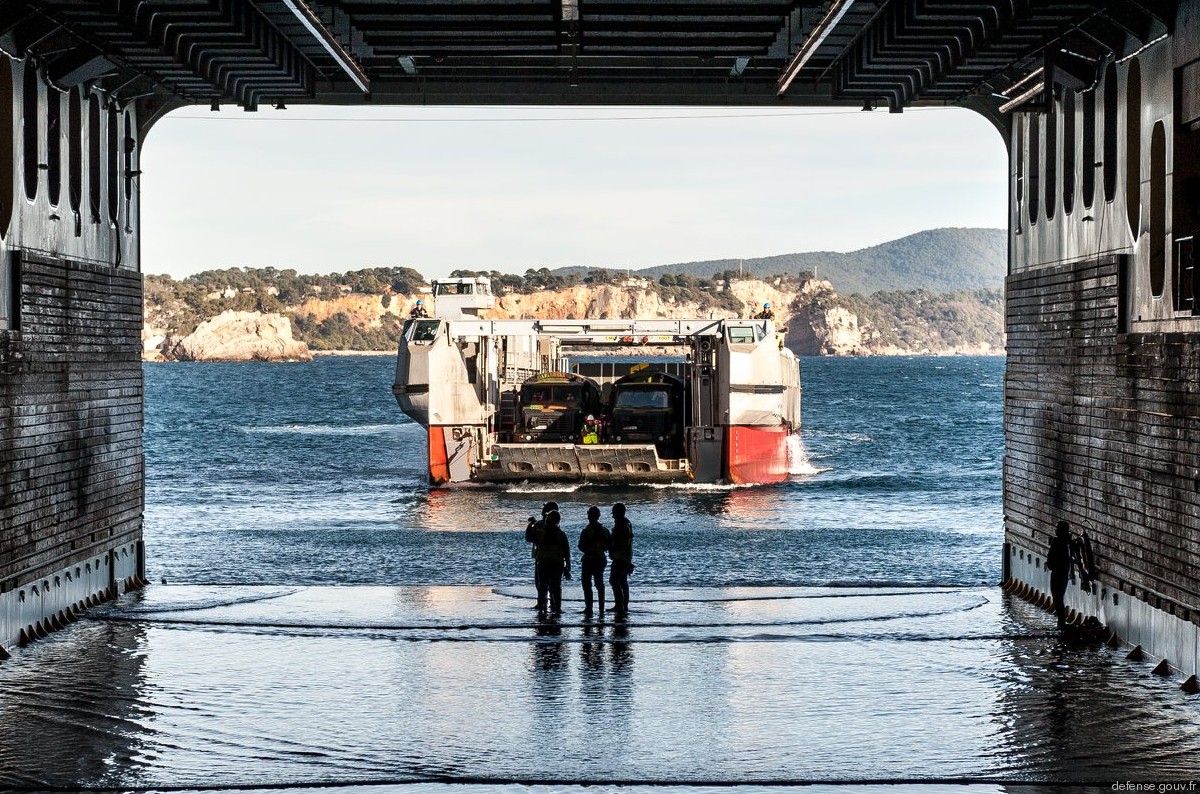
{"type": "Point", "coordinates": [945, 49]}
{"type": "Point", "coordinates": [202, 49]}
{"type": "Point", "coordinates": [901, 51]}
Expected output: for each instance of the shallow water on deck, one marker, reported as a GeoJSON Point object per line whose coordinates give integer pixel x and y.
{"type": "Point", "coordinates": [306, 685]}
{"type": "Point", "coordinates": [329, 621]}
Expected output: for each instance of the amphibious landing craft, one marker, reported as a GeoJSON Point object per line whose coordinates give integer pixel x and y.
{"type": "Point", "coordinates": [506, 400]}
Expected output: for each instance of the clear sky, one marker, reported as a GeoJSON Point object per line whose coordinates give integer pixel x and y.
{"type": "Point", "coordinates": [323, 190]}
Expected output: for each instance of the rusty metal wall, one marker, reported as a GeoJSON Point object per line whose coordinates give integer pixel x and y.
{"type": "Point", "coordinates": [1102, 391]}
{"type": "Point", "coordinates": [71, 471]}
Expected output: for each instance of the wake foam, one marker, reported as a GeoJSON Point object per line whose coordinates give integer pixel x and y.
{"type": "Point", "coordinates": [799, 464]}
{"type": "Point", "coordinates": [329, 430]}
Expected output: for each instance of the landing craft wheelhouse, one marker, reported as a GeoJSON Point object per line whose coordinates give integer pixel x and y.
{"type": "Point", "coordinates": [472, 383]}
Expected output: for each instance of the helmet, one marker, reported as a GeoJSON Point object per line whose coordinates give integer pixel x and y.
{"type": "Point", "coordinates": [767, 305]}
{"type": "Point", "coordinates": [419, 301]}
{"type": "Point", "coordinates": [593, 513]}
{"type": "Point", "coordinates": [591, 418]}
{"type": "Point", "coordinates": [546, 508]}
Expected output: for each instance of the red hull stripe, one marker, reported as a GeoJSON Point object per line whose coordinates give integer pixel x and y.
{"type": "Point", "coordinates": [439, 469]}
{"type": "Point", "coordinates": [757, 454]}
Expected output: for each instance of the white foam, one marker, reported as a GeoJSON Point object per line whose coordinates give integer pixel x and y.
{"type": "Point", "coordinates": [697, 487]}
{"type": "Point", "coordinates": [550, 487]}
{"type": "Point", "coordinates": [799, 463]}
{"type": "Point", "coordinates": [329, 430]}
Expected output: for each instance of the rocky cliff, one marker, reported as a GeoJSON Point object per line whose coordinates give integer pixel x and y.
{"type": "Point", "coordinates": [818, 321]}
{"type": "Point", "coordinates": [231, 336]}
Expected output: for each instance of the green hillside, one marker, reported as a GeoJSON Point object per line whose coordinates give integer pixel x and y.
{"type": "Point", "coordinates": [936, 260]}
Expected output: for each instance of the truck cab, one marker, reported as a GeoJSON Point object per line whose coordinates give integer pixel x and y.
{"type": "Point", "coordinates": [648, 407]}
{"type": "Point", "coordinates": [553, 407]}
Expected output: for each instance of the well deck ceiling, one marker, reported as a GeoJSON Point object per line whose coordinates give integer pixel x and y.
{"type": "Point", "coordinates": [708, 52]}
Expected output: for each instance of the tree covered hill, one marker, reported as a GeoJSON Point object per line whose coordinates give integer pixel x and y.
{"type": "Point", "coordinates": [930, 291]}
{"type": "Point", "coordinates": [936, 260]}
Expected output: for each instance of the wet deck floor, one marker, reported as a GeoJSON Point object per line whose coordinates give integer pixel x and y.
{"type": "Point", "coordinates": [197, 686]}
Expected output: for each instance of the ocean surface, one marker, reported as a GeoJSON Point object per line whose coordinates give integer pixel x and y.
{"type": "Point", "coordinates": [319, 617]}
{"type": "Point", "coordinates": [309, 474]}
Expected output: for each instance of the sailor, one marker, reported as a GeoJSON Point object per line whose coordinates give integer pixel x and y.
{"type": "Point", "coordinates": [593, 542]}
{"type": "Point", "coordinates": [534, 531]}
{"type": "Point", "coordinates": [1059, 562]}
{"type": "Point", "coordinates": [620, 550]}
{"type": "Point", "coordinates": [418, 311]}
{"type": "Point", "coordinates": [766, 313]}
{"type": "Point", "coordinates": [591, 430]}
{"type": "Point", "coordinates": [553, 564]}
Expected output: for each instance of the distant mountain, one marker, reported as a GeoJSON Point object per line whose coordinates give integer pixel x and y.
{"type": "Point", "coordinates": [937, 260]}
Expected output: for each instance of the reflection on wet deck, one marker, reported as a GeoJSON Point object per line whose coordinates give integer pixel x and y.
{"type": "Point", "coordinates": [191, 686]}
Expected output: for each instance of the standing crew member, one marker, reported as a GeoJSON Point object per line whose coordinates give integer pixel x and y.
{"type": "Point", "coordinates": [593, 542]}
{"type": "Point", "coordinates": [553, 564]}
{"type": "Point", "coordinates": [1058, 560]}
{"type": "Point", "coordinates": [620, 549]}
{"type": "Point", "coordinates": [534, 531]}
{"type": "Point", "coordinates": [418, 311]}
{"type": "Point", "coordinates": [591, 431]}
{"type": "Point", "coordinates": [766, 313]}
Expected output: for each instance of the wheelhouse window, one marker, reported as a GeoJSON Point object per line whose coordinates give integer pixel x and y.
{"type": "Point", "coordinates": [424, 330]}
{"type": "Point", "coordinates": [741, 334]}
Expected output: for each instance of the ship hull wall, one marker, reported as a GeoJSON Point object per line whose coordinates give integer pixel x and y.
{"type": "Point", "coordinates": [1100, 432]}
{"type": "Point", "coordinates": [1102, 410]}
{"type": "Point", "coordinates": [71, 469]}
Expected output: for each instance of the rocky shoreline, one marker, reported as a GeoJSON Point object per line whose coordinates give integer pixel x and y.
{"type": "Point", "coordinates": [817, 320]}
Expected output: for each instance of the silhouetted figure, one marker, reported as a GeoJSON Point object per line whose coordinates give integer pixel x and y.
{"type": "Point", "coordinates": [593, 542]}
{"type": "Point", "coordinates": [1058, 560]}
{"type": "Point", "coordinates": [620, 550]}
{"type": "Point", "coordinates": [553, 564]}
{"type": "Point", "coordinates": [534, 531]}
{"type": "Point", "coordinates": [418, 311]}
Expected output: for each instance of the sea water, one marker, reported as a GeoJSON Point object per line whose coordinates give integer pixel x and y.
{"type": "Point", "coordinates": [326, 619]}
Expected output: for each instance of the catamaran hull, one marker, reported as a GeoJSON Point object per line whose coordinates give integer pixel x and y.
{"type": "Point", "coordinates": [757, 455]}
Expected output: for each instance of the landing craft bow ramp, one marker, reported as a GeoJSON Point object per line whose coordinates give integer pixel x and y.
{"type": "Point", "coordinates": [1099, 104]}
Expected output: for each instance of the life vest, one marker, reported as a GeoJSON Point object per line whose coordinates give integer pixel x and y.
{"type": "Point", "coordinates": [593, 541]}
{"type": "Point", "coordinates": [591, 434]}
{"type": "Point", "coordinates": [620, 547]}
{"type": "Point", "coordinates": [552, 547]}
{"type": "Point", "coordinates": [1059, 557]}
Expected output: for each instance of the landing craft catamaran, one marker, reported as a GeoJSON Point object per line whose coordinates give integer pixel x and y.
{"type": "Point", "coordinates": [706, 401]}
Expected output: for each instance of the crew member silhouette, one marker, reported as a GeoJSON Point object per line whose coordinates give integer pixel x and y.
{"type": "Point", "coordinates": [620, 550]}
{"type": "Point", "coordinates": [1058, 560]}
{"type": "Point", "coordinates": [553, 564]}
{"type": "Point", "coordinates": [534, 531]}
{"type": "Point", "coordinates": [418, 311]}
{"type": "Point", "coordinates": [593, 542]}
